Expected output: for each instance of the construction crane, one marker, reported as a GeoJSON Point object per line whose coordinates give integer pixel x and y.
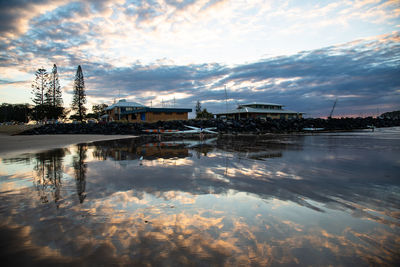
{"type": "Point", "coordinates": [226, 99]}
{"type": "Point", "coordinates": [333, 108]}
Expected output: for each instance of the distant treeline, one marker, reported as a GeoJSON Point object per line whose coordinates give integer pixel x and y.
{"type": "Point", "coordinates": [391, 115]}
{"type": "Point", "coordinates": [48, 103]}
{"type": "Point", "coordinates": [47, 99]}
{"type": "Point", "coordinates": [15, 112]}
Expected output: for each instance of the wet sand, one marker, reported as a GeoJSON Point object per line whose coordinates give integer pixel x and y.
{"type": "Point", "coordinates": [323, 199]}
{"type": "Point", "coordinates": [18, 144]}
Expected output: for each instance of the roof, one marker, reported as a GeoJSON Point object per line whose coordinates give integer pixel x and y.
{"type": "Point", "coordinates": [258, 110]}
{"type": "Point", "coordinates": [261, 103]}
{"type": "Point", "coordinates": [147, 109]}
{"type": "Point", "coordinates": [123, 103]}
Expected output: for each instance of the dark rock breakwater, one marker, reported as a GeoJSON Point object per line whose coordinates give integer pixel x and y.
{"type": "Point", "coordinates": [253, 126]}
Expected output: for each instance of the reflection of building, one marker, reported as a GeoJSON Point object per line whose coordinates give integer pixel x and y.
{"type": "Point", "coordinates": [260, 111]}
{"type": "Point", "coordinates": [135, 112]}
{"type": "Point", "coordinates": [161, 150]}
{"type": "Point", "coordinates": [148, 151]}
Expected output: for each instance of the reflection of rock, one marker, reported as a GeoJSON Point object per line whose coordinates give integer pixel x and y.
{"type": "Point", "coordinates": [255, 147]}
{"type": "Point", "coordinates": [257, 144]}
{"type": "Point", "coordinates": [133, 149]}
{"type": "Point", "coordinates": [159, 151]}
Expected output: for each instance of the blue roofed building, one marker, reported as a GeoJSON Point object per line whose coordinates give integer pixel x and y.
{"type": "Point", "coordinates": [135, 112]}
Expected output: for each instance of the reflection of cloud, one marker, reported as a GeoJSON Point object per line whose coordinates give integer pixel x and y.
{"type": "Point", "coordinates": [171, 162]}
{"type": "Point", "coordinates": [183, 198]}
{"type": "Point", "coordinates": [9, 186]}
{"type": "Point", "coordinates": [182, 215]}
{"type": "Point", "coordinates": [154, 233]}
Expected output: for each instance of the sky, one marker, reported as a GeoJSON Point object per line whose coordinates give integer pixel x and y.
{"type": "Point", "coordinates": [173, 53]}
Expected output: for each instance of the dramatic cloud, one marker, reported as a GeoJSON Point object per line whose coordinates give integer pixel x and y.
{"type": "Point", "coordinates": [161, 50]}
{"type": "Point", "coordinates": [363, 76]}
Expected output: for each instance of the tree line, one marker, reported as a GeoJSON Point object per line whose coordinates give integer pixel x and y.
{"type": "Point", "coordinates": [202, 113]}
{"type": "Point", "coordinates": [15, 112]}
{"type": "Point", "coordinates": [47, 96]}
{"type": "Point", "coordinates": [47, 100]}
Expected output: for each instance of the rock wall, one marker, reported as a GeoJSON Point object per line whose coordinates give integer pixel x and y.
{"type": "Point", "coordinates": [254, 126]}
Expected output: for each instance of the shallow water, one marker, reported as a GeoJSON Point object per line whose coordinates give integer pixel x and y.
{"type": "Point", "coordinates": [326, 199]}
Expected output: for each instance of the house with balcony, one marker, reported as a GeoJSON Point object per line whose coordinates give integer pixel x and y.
{"type": "Point", "coordinates": [260, 111]}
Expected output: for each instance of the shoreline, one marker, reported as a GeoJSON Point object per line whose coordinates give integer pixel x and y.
{"type": "Point", "coordinates": [20, 144]}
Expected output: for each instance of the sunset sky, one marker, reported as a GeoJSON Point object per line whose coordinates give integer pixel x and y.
{"type": "Point", "coordinates": [302, 54]}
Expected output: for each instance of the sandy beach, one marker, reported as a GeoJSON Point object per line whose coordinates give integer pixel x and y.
{"type": "Point", "coordinates": [18, 144]}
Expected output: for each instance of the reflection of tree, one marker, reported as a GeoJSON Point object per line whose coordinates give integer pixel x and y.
{"type": "Point", "coordinates": [49, 171]}
{"type": "Point", "coordinates": [80, 171]}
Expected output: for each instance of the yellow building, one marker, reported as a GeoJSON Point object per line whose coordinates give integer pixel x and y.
{"type": "Point", "coordinates": [135, 112]}
{"type": "Point", "coordinates": [260, 111]}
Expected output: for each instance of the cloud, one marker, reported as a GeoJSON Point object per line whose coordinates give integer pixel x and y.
{"type": "Point", "coordinates": [16, 15]}
{"type": "Point", "coordinates": [155, 50]}
{"type": "Point", "coordinates": [360, 74]}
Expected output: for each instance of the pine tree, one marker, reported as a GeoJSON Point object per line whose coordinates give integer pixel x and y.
{"type": "Point", "coordinates": [53, 96]}
{"type": "Point", "coordinates": [39, 90]}
{"type": "Point", "coordinates": [198, 107]}
{"type": "Point", "coordinates": [40, 87]}
{"type": "Point", "coordinates": [54, 93]}
{"type": "Point", "coordinates": [79, 98]}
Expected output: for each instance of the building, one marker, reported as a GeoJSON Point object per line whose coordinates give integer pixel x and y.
{"type": "Point", "coordinates": [260, 111]}
{"type": "Point", "coordinates": [135, 112]}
